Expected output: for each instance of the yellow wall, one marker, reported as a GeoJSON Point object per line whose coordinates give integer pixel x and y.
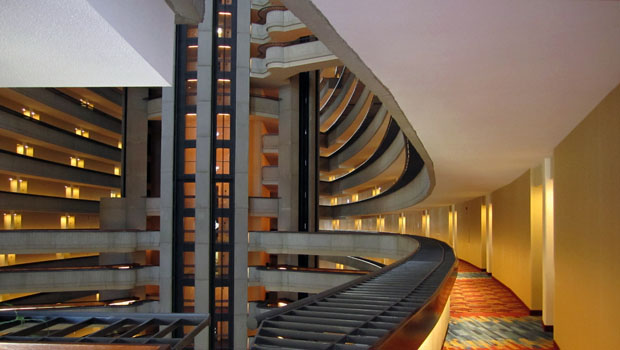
{"type": "Point", "coordinates": [587, 231]}
{"type": "Point", "coordinates": [511, 237]}
{"type": "Point", "coordinates": [469, 243]}
{"type": "Point", "coordinates": [439, 228]}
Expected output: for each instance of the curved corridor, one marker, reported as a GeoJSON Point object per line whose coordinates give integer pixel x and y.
{"type": "Point", "coordinates": [484, 314]}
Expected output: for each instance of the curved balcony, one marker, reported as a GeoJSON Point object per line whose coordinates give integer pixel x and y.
{"type": "Point", "coordinates": [396, 307]}
{"type": "Point", "coordinates": [283, 62]}
{"type": "Point", "coordinates": [296, 279]}
{"type": "Point", "coordinates": [349, 123]}
{"type": "Point", "coordinates": [336, 105]}
{"type": "Point", "coordinates": [328, 84]}
{"type": "Point", "coordinates": [361, 146]}
{"type": "Point", "coordinates": [280, 25]}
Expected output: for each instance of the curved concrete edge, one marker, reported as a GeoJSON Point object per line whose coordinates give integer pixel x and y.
{"type": "Point", "coordinates": [47, 204]}
{"type": "Point", "coordinates": [76, 241]}
{"type": "Point", "coordinates": [333, 244]}
{"type": "Point", "coordinates": [350, 149]}
{"type": "Point", "coordinates": [146, 306]}
{"type": "Point", "coordinates": [289, 57]}
{"type": "Point", "coordinates": [405, 197]}
{"type": "Point", "coordinates": [297, 281]}
{"type": "Point", "coordinates": [323, 29]}
{"type": "Point", "coordinates": [335, 109]}
{"type": "Point", "coordinates": [352, 262]}
{"type": "Point", "coordinates": [363, 104]}
{"type": "Point", "coordinates": [77, 280]}
{"type": "Point", "coordinates": [276, 21]}
{"type": "Point", "coordinates": [356, 178]}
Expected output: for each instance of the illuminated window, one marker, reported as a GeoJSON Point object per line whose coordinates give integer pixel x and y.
{"type": "Point", "coordinates": [355, 197]}
{"type": "Point", "coordinates": [82, 132]}
{"type": "Point", "coordinates": [223, 194]}
{"type": "Point", "coordinates": [87, 104]}
{"type": "Point", "coordinates": [376, 191]}
{"type": "Point", "coordinates": [77, 162]}
{"type": "Point", "coordinates": [223, 92]}
{"type": "Point", "coordinates": [222, 330]}
{"type": "Point", "coordinates": [221, 262]}
{"type": "Point", "coordinates": [222, 230]}
{"type": "Point", "coordinates": [224, 25]}
{"type": "Point", "coordinates": [190, 126]}
{"type": "Point", "coordinates": [120, 144]}
{"type": "Point", "coordinates": [12, 221]}
{"type": "Point", "coordinates": [18, 185]}
{"type": "Point", "coordinates": [72, 192]}
{"type": "Point", "coordinates": [221, 297]}
{"type": "Point", "coordinates": [226, 2]}
{"type": "Point", "coordinates": [191, 54]}
{"type": "Point", "coordinates": [117, 170]}
{"type": "Point", "coordinates": [188, 263]}
{"type": "Point", "coordinates": [114, 194]}
{"type": "Point", "coordinates": [222, 160]}
{"type": "Point", "coordinates": [30, 113]}
{"type": "Point", "coordinates": [67, 222]}
{"type": "Point", "coordinates": [192, 31]}
{"type": "Point", "coordinates": [189, 226]}
{"type": "Point", "coordinates": [223, 126]}
{"type": "Point", "coordinates": [224, 57]}
{"type": "Point", "coordinates": [189, 191]}
{"type": "Point", "coordinates": [189, 296]}
{"type": "Point", "coordinates": [191, 85]}
{"type": "Point", "coordinates": [190, 161]}
{"type": "Point", "coordinates": [25, 150]}
{"type": "Point", "coordinates": [380, 224]}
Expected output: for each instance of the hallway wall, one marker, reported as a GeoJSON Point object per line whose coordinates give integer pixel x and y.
{"type": "Point", "coordinates": [587, 240]}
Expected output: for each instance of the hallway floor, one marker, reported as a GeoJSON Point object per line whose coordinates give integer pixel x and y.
{"type": "Point", "coordinates": [486, 315]}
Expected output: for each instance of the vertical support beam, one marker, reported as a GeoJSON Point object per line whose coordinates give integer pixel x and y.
{"type": "Point", "coordinates": [455, 227]}
{"type": "Point", "coordinates": [135, 149]}
{"type": "Point", "coordinates": [288, 160]}
{"type": "Point", "coordinates": [489, 225]}
{"type": "Point", "coordinates": [242, 127]}
{"type": "Point", "coordinates": [313, 154]}
{"type": "Point", "coordinates": [166, 199]}
{"type": "Point", "coordinates": [548, 259]}
{"type": "Point", "coordinates": [304, 152]}
{"type": "Point", "coordinates": [204, 167]}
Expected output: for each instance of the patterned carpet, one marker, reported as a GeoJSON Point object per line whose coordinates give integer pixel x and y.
{"type": "Point", "coordinates": [486, 315]}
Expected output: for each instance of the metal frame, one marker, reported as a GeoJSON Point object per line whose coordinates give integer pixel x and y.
{"type": "Point", "coordinates": [120, 328]}
{"type": "Point", "coordinates": [369, 311]}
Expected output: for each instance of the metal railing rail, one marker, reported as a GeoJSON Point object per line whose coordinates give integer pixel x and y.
{"type": "Point", "coordinates": [368, 312]}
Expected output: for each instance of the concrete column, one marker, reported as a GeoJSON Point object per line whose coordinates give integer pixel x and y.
{"type": "Point", "coordinates": [242, 127]}
{"type": "Point", "coordinates": [548, 249]}
{"type": "Point", "coordinates": [288, 160]}
{"type": "Point", "coordinates": [166, 200]}
{"type": "Point", "coordinates": [204, 222]}
{"type": "Point", "coordinates": [135, 149]}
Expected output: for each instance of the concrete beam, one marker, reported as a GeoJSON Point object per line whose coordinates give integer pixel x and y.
{"type": "Point", "coordinates": [77, 279]}
{"type": "Point", "coordinates": [187, 11]}
{"type": "Point", "coordinates": [31, 202]}
{"type": "Point", "coordinates": [76, 241]}
{"type": "Point", "coordinates": [297, 281]}
{"type": "Point", "coordinates": [19, 164]}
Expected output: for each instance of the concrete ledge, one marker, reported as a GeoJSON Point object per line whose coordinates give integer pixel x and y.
{"type": "Point", "coordinates": [77, 279]}
{"type": "Point", "coordinates": [19, 124]}
{"type": "Point", "coordinates": [336, 107]}
{"type": "Point", "coordinates": [31, 202]}
{"type": "Point", "coordinates": [19, 164]}
{"type": "Point", "coordinates": [56, 101]}
{"type": "Point", "coordinates": [262, 206]}
{"type": "Point", "coordinates": [355, 115]}
{"type": "Point", "coordinates": [284, 62]}
{"type": "Point", "coordinates": [333, 243]}
{"type": "Point", "coordinates": [264, 107]}
{"type": "Point", "coordinates": [297, 281]}
{"type": "Point", "coordinates": [76, 241]}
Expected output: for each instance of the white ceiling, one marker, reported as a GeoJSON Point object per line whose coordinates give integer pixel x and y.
{"type": "Point", "coordinates": [491, 87]}
{"type": "Point", "coordinates": [86, 43]}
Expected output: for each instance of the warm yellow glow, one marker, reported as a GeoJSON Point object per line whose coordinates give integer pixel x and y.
{"type": "Point", "coordinates": [281, 304]}
{"type": "Point", "coordinates": [117, 170]}
{"type": "Point", "coordinates": [225, 13]}
{"type": "Point", "coordinates": [380, 223]}
{"type": "Point", "coordinates": [97, 297]}
{"type": "Point", "coordinates": [192, 80]}
{"type": "Point", "coordinates": [339, 266]}
{"type": "Point", "coordinates": [122, 303]}
{"type": "Point", "coordinates": [358, 224]}
{"type": "Point", "coordinates": [335, 224]}
{"type": "Point", "coordinates": [220, 32]}
{"type": "Point", "coordinates": [192, 46]}
{"type": "Point", "coordinates": [30, 113]}
{"type": "Point", "coordinates": [87, 104]}
{"type": "Point", "coordinates": [120, 144]}
{"type": "Point", "coordinates": [13, 185]}
{"type": "Point", "coordinates": [355, 197]}
{"type": "Point", "coordinates": [20, 149]}
{"type": "Point", "coordinates": [114, 194]}
{"type": "Point", "coordinates": [8, 221]}
{"type": "Point", "coordinates": [67, 222]}
{"type": "Point", "coordinates": [223, 80]}
{"type": "Point", "coordinates": [224, 46]}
